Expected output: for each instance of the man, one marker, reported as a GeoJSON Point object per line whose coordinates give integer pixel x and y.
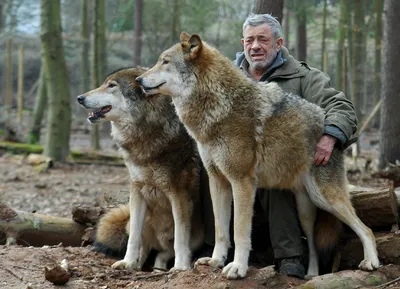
{"type": "Point", "coordinates": [266, 59]}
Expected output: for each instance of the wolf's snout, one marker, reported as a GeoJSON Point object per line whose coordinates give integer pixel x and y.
{"type": "Point", "coordinates": [139, 80]}
{"type": "Point", "coordinates": [80, 99]}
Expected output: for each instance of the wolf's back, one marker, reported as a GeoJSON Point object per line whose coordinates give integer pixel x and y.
{"type": "Point", "coordinates": [111, 233]}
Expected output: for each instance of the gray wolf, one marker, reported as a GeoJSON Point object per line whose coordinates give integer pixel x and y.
{"type": "Point", "coordinates": [163, 165]}
{"type": "Point", "coordinates": [252, 135]}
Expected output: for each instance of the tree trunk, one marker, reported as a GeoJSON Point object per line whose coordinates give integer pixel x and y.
{"type": "Point", "coordinates": [341, 54]}
{"type": "Point", "coordinates": [38, 111]}
{"type": "Point", "coordinates": [59, 115]}
{"type": "Point", "coordinates": [99, 58]}
{"type": "Point", "coordinates": [378, 50]}
{"type": "Point", "coordinates": [2, 15]}
{"type": "Point", "coordinates": [358, 57]}
{"type": "Point", "coordinates": [20, 91]}
{"type": "Point", "coordinates": [323, 44]}
{"type": "Point", "coordinates": [286, 25]}
{"type": "Point", "coordinates": [176, 27]}
{"type": "Point", "coordinates": [273, 7]}
{"type": "Point", "coordinates": [9, 86]}
{"type": "Point", "coordinates": [390, 121]}
{"type": "Point", "coordinates": [349, 54]}
{"type": "Point", "coordinates": [301, 41]}
{"type": "Point", "coordinates": [138, 32]}
{"type": "Point", "coordinates": [85, 74]}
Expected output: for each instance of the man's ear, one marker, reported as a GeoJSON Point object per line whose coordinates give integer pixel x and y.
{"type": "Point", "coordinates": [191, 47]}
{"type": "Point", "coordinates": [279, 43]}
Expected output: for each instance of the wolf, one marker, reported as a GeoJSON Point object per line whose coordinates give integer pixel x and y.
{"type": "Point", "coordinates": [253, 135]}
{"type": "Point", "coordinates": [164, 166]}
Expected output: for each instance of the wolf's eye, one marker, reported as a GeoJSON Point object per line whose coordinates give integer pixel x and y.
{"type": "Point", "coordinates": [165, 61]}
{"type": "Point", "coordinates": [112, 84]}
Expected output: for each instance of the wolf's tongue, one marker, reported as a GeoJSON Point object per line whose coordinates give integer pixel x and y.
{"type": "Point", "coordinates": [105, 109]}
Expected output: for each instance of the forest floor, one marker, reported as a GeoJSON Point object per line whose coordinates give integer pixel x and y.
{"type": "Point", "coordinates": [55, 191]}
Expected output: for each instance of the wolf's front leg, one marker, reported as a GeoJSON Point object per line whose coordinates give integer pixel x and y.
{"type": "Point", "coordinates": [137, 210]}
{"type": "Point", "coordinates": [243, 201]}
{"type": "Point", "coordinates": [221, 196]}
{"type": "Point", "coordinates": [182, 209]}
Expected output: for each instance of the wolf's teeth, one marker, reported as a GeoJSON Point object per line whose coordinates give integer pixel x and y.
{"type": "Point", "coordinates": [91, 113]}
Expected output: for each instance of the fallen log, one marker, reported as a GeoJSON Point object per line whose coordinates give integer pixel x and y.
{"type": "Point", "coordinates": [350, 279]}
{"type": "Point", "coordinates": [388, 245]}
{"type": "Point", "coordinates": [74, 156]}
{"type": "Point", "coordinates": [87, 214]}
{"type": "Point", "coordinates": [377, 208]}
{"type": "Point", "coordinates": [392, 172]}
{"type": "Point", "coordinates": [34, 229]}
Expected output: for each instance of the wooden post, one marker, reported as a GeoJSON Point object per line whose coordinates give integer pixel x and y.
{"type": "Point", "coordinates": [20, 84]}
{"type": "Point", "coordinates": [8, 100]}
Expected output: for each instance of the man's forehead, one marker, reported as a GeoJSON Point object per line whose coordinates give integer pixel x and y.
{"type": "Point", "coordinates": [259, 30]}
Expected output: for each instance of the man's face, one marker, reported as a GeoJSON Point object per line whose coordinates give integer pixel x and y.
{"type": "Point", "coordinates": [260, 47]}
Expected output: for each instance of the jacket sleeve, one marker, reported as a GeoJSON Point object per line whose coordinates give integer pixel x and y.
{"type": "Point", "coordinates": [339, 111]}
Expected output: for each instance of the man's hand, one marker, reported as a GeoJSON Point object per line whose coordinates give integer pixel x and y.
{"type": "Point", "coordinates": [324, 149]}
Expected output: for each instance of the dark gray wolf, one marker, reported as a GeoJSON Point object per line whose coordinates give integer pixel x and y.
{"type": "Point", "coordinates": [164, 167]}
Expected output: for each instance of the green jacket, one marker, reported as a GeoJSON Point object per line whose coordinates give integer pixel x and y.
{"type": "Point", "coordinates": [313, 85]}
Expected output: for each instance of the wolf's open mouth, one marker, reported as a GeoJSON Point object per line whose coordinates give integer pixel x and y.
{"type": "Point", "coordinates": [93, 116]}
{"type": "Point", "coordinates": [148, 88]}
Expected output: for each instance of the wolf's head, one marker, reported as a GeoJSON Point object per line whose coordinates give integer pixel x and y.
{"type": "Point", "coordinates": [115, 97]}
{"type": "Point", "coordinates": [175, 69]}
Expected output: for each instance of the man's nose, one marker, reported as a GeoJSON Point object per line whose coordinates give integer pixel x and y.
{"type": "Point", "coordinates": [255, 45]}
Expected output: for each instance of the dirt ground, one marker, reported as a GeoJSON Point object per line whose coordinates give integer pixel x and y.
{"type": "Point", "coordinates": [55, 191]}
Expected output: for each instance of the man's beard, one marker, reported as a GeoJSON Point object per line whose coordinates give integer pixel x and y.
{"type": "Point", "coordinates": [265, 64]}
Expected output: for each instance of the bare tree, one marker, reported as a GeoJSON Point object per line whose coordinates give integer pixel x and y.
{"type": "Point", "coordinates": [378, 48]}
{"type": "Point", "coordinates": [138, 32]}
{"type": "Point", "coordinates": [301, 39]}
{"type": "Point", "coordinates": [390, 122]}
{"type": "Point", "coordinates": [39, 108]}
{"type": "Point", "coordinates": [99, 58]}
{"type": "Point", "coordinates": [341, 53]}
{"type": "Point", "coordinates": [273, 7]}
{"type": "Point", "coordinates": [323, 49]}
{"type": "Point", "coordinates": [85, 75]}
{"type": "Point", "coordinates": [59, 112]}
{"type": "Point", "coordinates": [286, 24]}
{"type": "Point", "coordinates": [358, 59]}
{"type": "Point", "coordinates": [2, 16]}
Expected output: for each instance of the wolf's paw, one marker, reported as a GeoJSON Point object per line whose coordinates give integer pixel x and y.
{"type": "Point", "coordinates": [369, 265]}
{"type": "Point", "coordinates": [235, 270]}
{"type": "Point", "coordinates": [215, 263]}
{"type": "Point", "coordinates": [121, 265]}
{"type": "Point", "coordinates": [179, 269]}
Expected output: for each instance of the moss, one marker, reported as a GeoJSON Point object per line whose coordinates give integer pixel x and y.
{"type": "Point", "coordinates": [374, 280]}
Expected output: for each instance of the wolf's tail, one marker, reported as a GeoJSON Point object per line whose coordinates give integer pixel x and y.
{"type": "Point", "coordinates": [327, 234]}
{"type": "Point", "coordinates": [111, 233]}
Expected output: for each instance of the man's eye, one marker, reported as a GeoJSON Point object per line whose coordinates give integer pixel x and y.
{"type": "Point", "coordinates": [165, 61]}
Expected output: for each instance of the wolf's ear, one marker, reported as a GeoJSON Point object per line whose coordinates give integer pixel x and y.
{"type": "Point", "coordinates": [191, 47]}
{"type": "Point", "coordinates": [184, 36]}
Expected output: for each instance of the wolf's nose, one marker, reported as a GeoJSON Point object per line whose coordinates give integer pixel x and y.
{"type": "Point", "coordinates": [80, 99]}
{"type": "Point", "coordinates": [139, 80]}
